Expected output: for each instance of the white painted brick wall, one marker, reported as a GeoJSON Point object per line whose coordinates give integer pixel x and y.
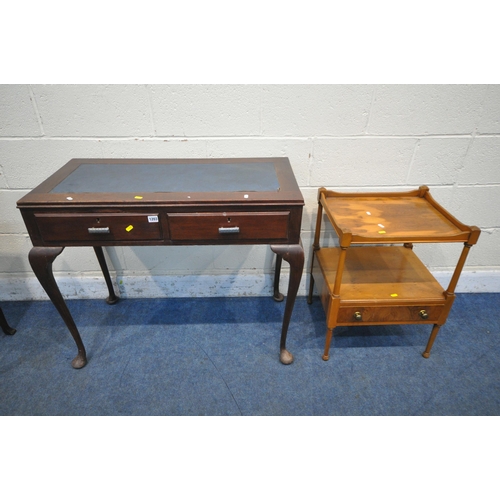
{"type": "Point", "coordinates": [361, 161]}
{"type": "Point", "coordinates": [315, 110]}
{"type": "Point", "coordinates": [94, 110]}
{"type": "Point", "coordinates": [206, 111]}
{"type": "Point", "coordinates": [426, 109]}
{"type": "Point", "coordinates": [346, 137]}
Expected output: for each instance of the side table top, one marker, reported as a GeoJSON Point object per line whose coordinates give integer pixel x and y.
{"type": "Point", "coordinates": [170, 181]}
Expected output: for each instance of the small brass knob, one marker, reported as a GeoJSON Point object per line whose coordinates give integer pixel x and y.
{"type": "Point", "coordinates": [357, 316]}
{"type": "Point", "coordinates": [423, 314]}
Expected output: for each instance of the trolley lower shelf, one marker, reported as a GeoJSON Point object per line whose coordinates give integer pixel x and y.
{"type": "Point", "coordinates": [381, 285]}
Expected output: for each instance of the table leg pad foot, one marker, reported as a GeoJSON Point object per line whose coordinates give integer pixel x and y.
{"type": "Point", "coordinates": [279, 297]}
{"type": "Point", "coordinates": [286, 357]}
{"type": "Point", "coordinates": [79, 362]}
{"type": "Point", "coordinates": [426, 354]}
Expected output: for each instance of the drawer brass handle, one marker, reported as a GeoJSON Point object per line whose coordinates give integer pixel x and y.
{"type": "Point", "coordinates": [357, 316]}
{"type": "Point", "coordinates": [99, 230]}
{"type": "Point", "coordinates": [229, 230]}
{"type": "Point", "coordinates": [423, 314]}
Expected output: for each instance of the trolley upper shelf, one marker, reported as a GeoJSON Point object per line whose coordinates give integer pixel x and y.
{"type": "Point", "coordinates": [394, 217]}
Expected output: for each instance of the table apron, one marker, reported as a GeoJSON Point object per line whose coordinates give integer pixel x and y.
{"type": "Point", "coordinates": [164, 227]}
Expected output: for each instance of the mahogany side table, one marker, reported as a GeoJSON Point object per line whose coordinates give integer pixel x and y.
{"type": "Point", "coordinates": [112, 202]}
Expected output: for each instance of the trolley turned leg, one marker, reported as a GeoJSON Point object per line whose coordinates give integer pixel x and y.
{"type": "Point", "coordinates": [435, 330]}
{"type": "Point", "coordinates": [329, 334]}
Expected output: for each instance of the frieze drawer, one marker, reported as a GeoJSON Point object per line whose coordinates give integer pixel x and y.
{"type": "Point", "coordinates": [389, 314]}
{"type": "Point", "coordinates": [98, 227]}
{"type": "Point", "coordinates": [228, 226]}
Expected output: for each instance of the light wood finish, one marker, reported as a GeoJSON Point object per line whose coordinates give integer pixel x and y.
{"type": "Point", "coordinates": [392, 217]}
{"type": "Point", "coordinates": [378, 273]}
{"type": "Point", "coordinates": [371, 279]}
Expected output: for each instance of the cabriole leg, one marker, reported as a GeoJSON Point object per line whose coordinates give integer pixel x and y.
{"type": "Point", "coordinates": [294, 255]}
{"type": "Point", "coordinates": [7, 329]}
{"type": "Point", "coordinates": [277, 296]}
{"type": "Point", "coordinates": [41, 259]}
{"type": "Point", "coordinates": [112, 299]}
{"type": "Point", "coordinates": [311, 289]}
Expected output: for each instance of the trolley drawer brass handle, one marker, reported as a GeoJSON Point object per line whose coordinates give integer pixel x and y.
{"type": "Point", "coordinates": [357, 316]}
{"type": "Point", "coordinates": [99, 230]}
{"type": "Point", "coordinates": [423, 314]}
{"type": "Point", "coordinates": [229, 230]}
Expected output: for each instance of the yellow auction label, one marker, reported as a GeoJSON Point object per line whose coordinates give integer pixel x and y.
{"type": "Point", "coordinates": [129, 228]}
{"type": "Point", "coordinates": [394, 294]}
{"type": "Point", "coordinates": [138, 197]}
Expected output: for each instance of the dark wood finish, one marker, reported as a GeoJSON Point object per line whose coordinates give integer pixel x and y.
{"type": "Point", "coordinates": [6, 328]}
{"type": "Point", "coordinates": [249, 226]}
{"type": "Point", "coordinates": [294, 255]}
{"type": "Point", "coordinates": [41, 260]}
{"type": "Point", "coordinates": [55, 220]}
{"type": "Point", "coordinates": [77, 228]}
{"type": "Point", "coordinates": [277, 296]}
{"type": "Point", "coordinates": [112, 298]}
{"type": "Point", "coordinates": [383, 285]}
{"type": "Point", "coordinates": [287, 193]}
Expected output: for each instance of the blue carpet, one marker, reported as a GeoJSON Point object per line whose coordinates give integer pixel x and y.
{"type": "Point", "coordinates": [220, 356]}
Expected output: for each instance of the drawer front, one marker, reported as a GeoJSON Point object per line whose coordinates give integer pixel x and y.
{"type": "Point", "coordinates": [98, 227]}
{"type": "Point", "coordinates": [389, 314]}
{"type": "Point", "coordinates": [229, 226]}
